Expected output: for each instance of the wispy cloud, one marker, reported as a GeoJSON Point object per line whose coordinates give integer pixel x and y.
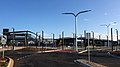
{"type": "Point", "coordinates": [85, 19]}
{"type": "Point", "coordinates": [105, 13]}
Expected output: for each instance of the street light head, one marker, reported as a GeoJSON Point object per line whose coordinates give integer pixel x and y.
{"type": "Point", "coordinates": [69, 13]}
{"type": "Point", "coordinates": [116, 29]}
{"type": "Point", "coordinates": [114, 23]}
{"type": "Point", "coordinates": [82, 12]}
{"type": "Point", "coordinates": [103, 25]}
{"type": "Point", "coordinates": [91, 31]}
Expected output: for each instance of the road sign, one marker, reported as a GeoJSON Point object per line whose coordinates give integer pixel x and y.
{"type": "Point", "coordinates": [4, 39]}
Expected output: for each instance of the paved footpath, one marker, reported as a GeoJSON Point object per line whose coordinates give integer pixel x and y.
{"type": "Point", "coordinates": [9, 48]}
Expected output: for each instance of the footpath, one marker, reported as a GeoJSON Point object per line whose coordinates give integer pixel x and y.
{"type": "Point", "coordinates": [9, 48]}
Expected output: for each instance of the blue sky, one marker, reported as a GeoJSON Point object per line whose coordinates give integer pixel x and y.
{"type": "Point", "coordinates": [37, 15]}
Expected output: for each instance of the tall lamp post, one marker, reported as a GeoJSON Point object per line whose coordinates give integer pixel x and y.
{"type": "Point", "coordinates": [75, 15]}
{"type": "Point", "coordinates": [108, 25]}
{"type": "Point", "coordinates": [107, 32]}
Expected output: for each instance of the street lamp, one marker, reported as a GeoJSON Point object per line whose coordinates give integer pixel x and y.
{"type": "Point", "coordinates": [108, 25]}
{"type": "Point", "coordinates": [75, 15]}
{"type": "Point", "coordinates": [107, 32]}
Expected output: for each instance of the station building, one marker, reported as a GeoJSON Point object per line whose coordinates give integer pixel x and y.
{"type": "Point", "coordinates": [26, 38]}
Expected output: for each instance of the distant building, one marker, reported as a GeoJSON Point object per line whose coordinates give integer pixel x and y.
{"type": "Point", "coordinates": [19, 37]}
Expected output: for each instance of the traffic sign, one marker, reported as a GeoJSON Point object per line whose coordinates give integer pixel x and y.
{"type": "Point", "coordinates": [4, 39]}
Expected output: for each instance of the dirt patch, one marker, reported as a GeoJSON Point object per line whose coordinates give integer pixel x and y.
{"type": "Point", "coordinates": [117, 53]}
{"type": "Point", "coordinates": [4, 61]}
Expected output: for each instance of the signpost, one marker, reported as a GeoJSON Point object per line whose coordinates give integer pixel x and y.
{"type": "Point", "coordinates": [3, 40]}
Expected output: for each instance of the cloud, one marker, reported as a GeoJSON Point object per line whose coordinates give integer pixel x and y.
{"type": "Point", "coordinates": [105, 13]}
{"type": "Point", "coordinates": [85, 19]}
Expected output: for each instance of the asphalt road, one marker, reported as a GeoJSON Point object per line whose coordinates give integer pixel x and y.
{"type": "Point", "coordinates": [59, 59]}
{"type": "Point", "coordinates": [55, 59]}
{"type": "Point", "coordinates": [33, 59]}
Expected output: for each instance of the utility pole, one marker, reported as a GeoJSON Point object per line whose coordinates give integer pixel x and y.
{"type": "Point", "coordinates": [42, 38]}
{"type": "Point", "coordinates": [36, 43]}
{"type": "Point", "coordinates": [85, 39]}
{"type": "Point", "coordinates": [39, 40]}
{"type": "Point", "coordinates": [73, 41]}
{"type": "Point", "coordinates": [13, 37]}
{"type": "Point", "coordinates": [53, 37]}
{"type": "Point", "coordinates": [25, 38]}
{"type": "Point", "coordinates": [100, 37]}
{"type": "Point", "coordinates": [53, 40]}
{"type": "Point", "coordinates": [62, 40]}
{"type": "Point", "coordinates": [81, 40]}
{"type": "Point", "coordinates": [88, 37]}
{"type": "Point", "coordinates": [59, 44]}
{"type": "Point", "coordinates": [117, 38]}
{"type": "Point", "coordinates": [112, 39]}
{"type": "Point", "coordinates": [93, 39]}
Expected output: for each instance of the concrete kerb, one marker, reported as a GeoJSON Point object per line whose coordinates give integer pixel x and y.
{"type": "Point", "coordinates": [86, 63]}
{"type": "Point", "coordinates": [11, 62]}
{"type": "Point", "coordinates": [113, 55]}
{"type": "Point", "coordinates": [82, 63]}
